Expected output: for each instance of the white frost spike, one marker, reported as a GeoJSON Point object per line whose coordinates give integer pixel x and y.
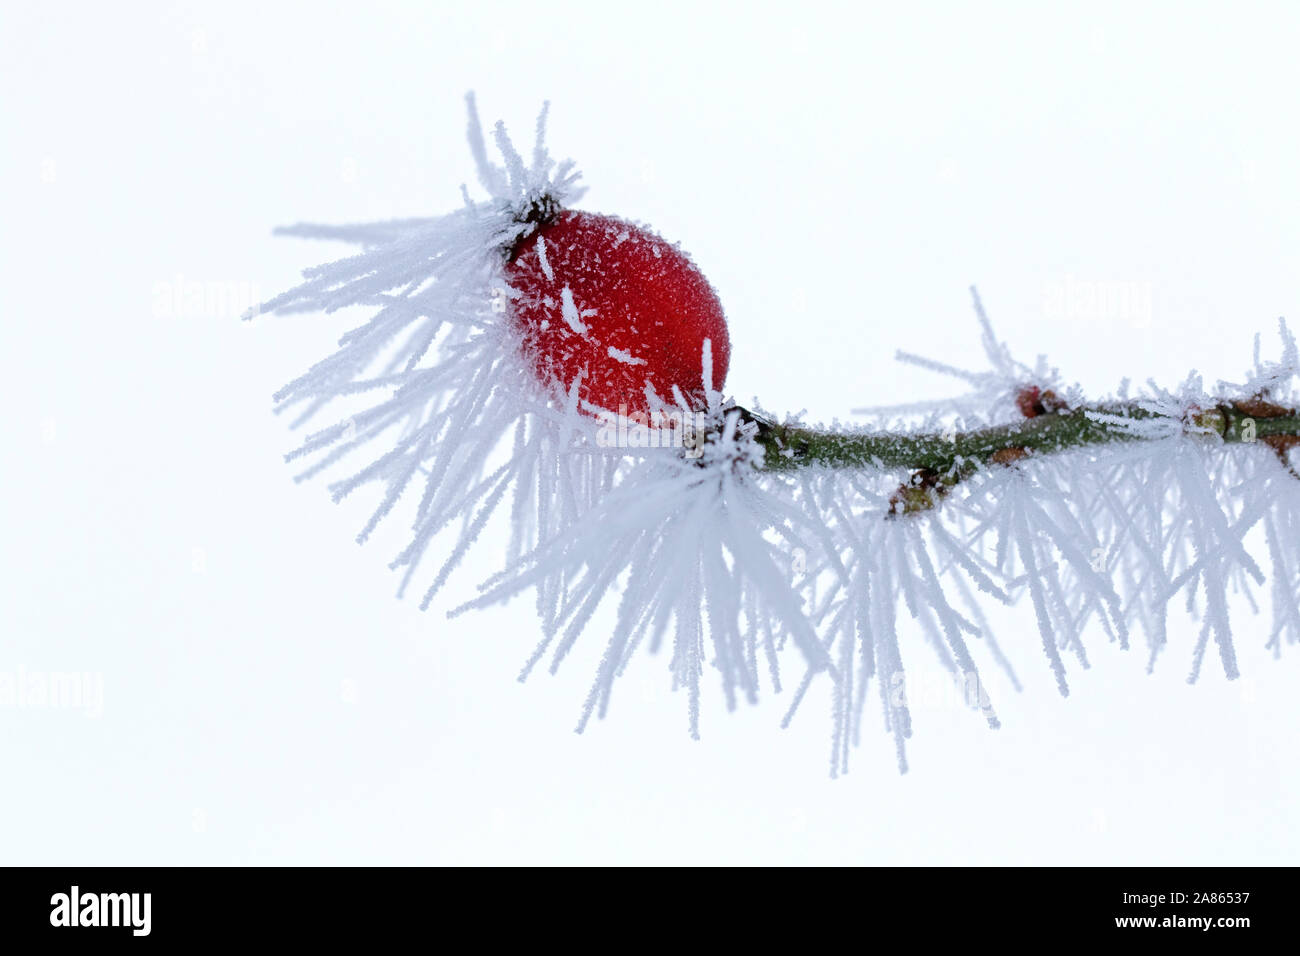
{"type": "Point", "coordinates": [992, 394]}
{"type": "Point", "coordinates": [569, 310]}
{"type": "Point", "coordinates": [544, 262]}
{"type": "Point", "coordinates": [621, 355]}
{"type": "Point", "coordinates": [713, 398]}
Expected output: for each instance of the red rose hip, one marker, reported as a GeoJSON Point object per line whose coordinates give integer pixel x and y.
{"type": "Point", "coordinates": [616, 304]}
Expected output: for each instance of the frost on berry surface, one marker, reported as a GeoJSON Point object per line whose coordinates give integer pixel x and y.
{"type": "Point", "coordinates": [594, 296]}
{"type": "Point", "coordinates": [505, 337]}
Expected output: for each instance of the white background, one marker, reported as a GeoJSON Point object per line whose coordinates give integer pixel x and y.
{"type": "Point", "coordinates": [841, 173]}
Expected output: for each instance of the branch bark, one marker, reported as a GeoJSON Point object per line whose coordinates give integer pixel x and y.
{"type": "Point", "coordinates": [938, 461]}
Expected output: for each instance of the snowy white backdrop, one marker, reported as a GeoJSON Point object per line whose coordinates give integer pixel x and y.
{"type": "Point", "coordinates": [1120, 185]}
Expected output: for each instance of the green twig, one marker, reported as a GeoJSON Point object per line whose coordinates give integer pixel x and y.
{"type": "Point", "coordinates": [940, 460]}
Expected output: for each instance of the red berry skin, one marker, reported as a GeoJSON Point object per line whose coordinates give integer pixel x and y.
{"type": "Point", "coordinates": [1027, 400]}
{"type": "Point", "coordinates": [1032, 402]}
{"type": "Point", "coordinates": [608, 299]}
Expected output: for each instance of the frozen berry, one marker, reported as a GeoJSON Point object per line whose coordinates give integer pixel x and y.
{"type": "Point", "coordinates": [607, 300]}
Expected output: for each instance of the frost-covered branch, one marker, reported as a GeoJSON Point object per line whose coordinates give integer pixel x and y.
{"type": "Point", "coordinates": [755, 546]}
{"type": "Point", "coordinates": [939, 460]}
